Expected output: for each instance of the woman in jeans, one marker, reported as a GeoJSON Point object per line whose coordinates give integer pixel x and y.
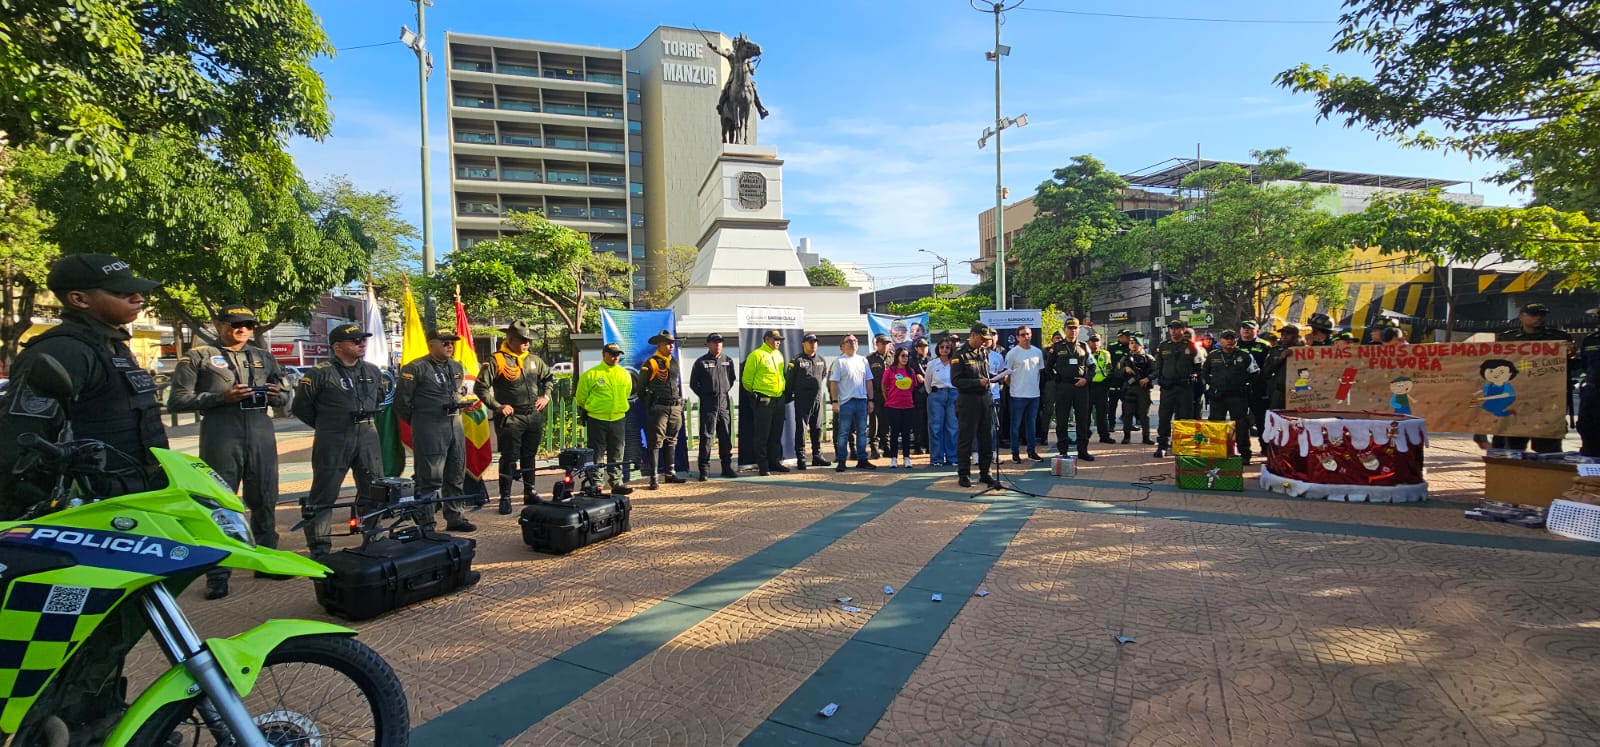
{"type": "Point", "coordinates": [899, 382]}
{"type": "Point", "coordinates": [941, 407]}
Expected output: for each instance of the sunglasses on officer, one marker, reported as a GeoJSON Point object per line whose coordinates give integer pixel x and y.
{"type": "Point", "coordinates": [242, 325]}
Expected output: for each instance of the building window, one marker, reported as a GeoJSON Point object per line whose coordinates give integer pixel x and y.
{"type": "Point", "coordinates": [638, 220]}
{"type": "Point", "coordinates": [634, 127]}
{"type": "Point", "coordinates": [636, 188]}
{"type": "Point", "coordinates": [633, 95]}
{"type": "Point", "coordinates": [635, 158]}
{"type": "Point", "coordinates": [638, 252]}
{"type": "Point", "coordinates": [777, 278]}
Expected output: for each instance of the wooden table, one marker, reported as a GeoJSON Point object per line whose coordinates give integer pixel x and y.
{"type": "Point", "coordinates": [1526, 481]}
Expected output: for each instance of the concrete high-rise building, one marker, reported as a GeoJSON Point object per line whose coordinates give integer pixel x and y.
{"type": "Point", "coordinates": [614, 143]}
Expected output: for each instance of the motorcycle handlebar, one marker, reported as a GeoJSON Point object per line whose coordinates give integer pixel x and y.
{"type": "Point", "coordinates": [38, 443]}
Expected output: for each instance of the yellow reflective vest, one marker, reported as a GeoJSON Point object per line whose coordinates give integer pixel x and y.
{"type": "Point", "coordinates": [603, 392]}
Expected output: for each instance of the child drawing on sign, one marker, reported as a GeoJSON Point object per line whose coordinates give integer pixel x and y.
{"type": "Point", "coordinates": [1347, 381]}
{"type": "Point", "coordinates": [1302, 381]}
{"type": "Point", "coordinates": [1400, 395]}
{"type": "Point", "coordinates": [1498, 395]}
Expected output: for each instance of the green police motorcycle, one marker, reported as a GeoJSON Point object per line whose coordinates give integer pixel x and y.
{"type": "Point", "coordinates": [81, 569]}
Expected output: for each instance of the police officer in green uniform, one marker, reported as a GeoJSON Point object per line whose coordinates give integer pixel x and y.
{"type": "Point", "coordinates": [602, 396]}
{"type": "Point", "coordinates": [1258, 388]}
{"type": "Point", "coordinates": [230, 385]}
{"type": "Point", "coordinates": [804, 385]}
{"type": "Point", "coordinates": [338, 399]}
{"type": "Point", "coordinates": [969, 374]}
{"type": "Point", "coordinates": [1074, 367]}
{"type": "Point", "coordinates": [661, 389]}
{"type": "Point", "coordinates": [1227, 372]}
{"type": "Point", "coordinates": [1531, 326]}
{"type": "Point", "coordinates": [115, 400]}
{"type": "Point", "coordinates": [1175, 371]}
{"type": "Point", "coordinates": [1100, 390]}
{"type": "Point", "coordinates": [515, 385]}
{"type": "Point", "coordinates": [429, 396]}
{"type": "Point", "coordinates": [1589, 395]}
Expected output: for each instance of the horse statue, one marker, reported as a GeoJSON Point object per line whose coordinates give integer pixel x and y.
{"type": "Point", "coordinates": [739, 93]}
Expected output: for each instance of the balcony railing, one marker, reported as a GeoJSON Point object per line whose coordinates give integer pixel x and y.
{"type": "Point", "coordinates": [520, 175]}
{"type": "Point", "coordinates": [526, 141]}
{"type": "Point", "coordinates": [475, 172]}
{"type": "Point", "coordinates": [486, 138]}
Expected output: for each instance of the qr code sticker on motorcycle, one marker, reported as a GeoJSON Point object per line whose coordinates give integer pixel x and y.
{"type": "Point", "coordinates": [66, 600]}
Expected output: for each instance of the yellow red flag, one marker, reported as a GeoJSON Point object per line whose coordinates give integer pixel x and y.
{"type": "Point", "coordinates": [474, 421]}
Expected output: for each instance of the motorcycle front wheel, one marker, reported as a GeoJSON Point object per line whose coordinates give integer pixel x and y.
{"type": "Point", "coordinates": [316, 691]}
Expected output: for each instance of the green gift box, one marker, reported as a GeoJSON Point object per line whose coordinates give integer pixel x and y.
{"type": "Point", "coordinates": [1210, 473]}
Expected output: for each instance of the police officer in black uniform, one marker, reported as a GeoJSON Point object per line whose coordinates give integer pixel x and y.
{"type": "Point", "coordinates": [661, 390]}
{"type": "Point", "coordinates": [1175, 371]}
{"type": "Point", "coordinates": [713, 377]}
{"type": "Point", "coordinates": [338, 399]}
{"type": "Point", "coordinates": [1118, 350]}
{"type": "Point", "coordinates": [969, 374]}
{"type": "Point", "coordinates": [1258, 388]}
{"type": "Point", "coordinates": [1322, 329]}
{"type": "Point", "coordinates": [878, 419]}
{"type": "Point", "coordinates": [115, 400]}
{"type": "Point", "coordinates": [515, 385]}
{"type": "Point", "coordinates": [806, 379]}
{"type": "Point", "coordinates": [1227, 372]}
{"type": "Point", "coordinates": [1589, 395]}
{"type": "Point", "coordinates": [230, 385]}
{"type": "Point", "coordinates": [1073, 365]}
{"type": "Point", "coordinates": [1137, 371]}
{"type": "Point", "coordinates": [430, 395]}
{"type": "Point", "coordinates": [1278, 359]}
{"type": "Point", "coordinates": [1531, 326]}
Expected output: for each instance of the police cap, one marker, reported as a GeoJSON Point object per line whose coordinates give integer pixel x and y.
{"type": "Point", "coordinates": [95, 272]}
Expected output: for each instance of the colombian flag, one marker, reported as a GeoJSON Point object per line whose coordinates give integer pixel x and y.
{"type": "Point", "coordinates": [474, 421]}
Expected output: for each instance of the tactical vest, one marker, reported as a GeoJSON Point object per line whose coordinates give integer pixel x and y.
{"type": "Point", "coordinates": [122, 409]}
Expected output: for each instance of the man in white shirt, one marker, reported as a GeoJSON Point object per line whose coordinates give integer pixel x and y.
{"type": "Point", "coordinates": [1025, 362]}
{"type": "Point", "coordinates": [850, 392]}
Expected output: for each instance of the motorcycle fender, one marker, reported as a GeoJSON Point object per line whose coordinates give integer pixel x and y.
{"type": "Point", "coordinates": [240, 657]}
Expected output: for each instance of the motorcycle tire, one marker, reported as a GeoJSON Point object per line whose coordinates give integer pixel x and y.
{"type": "Point", "coordinates": [328, 690]}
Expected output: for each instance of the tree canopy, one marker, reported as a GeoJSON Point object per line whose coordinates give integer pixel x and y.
{"type": "Point", "coordinates": [211, 234]}
{"type": "Point", "coordinates": [945, 311]}
{"type": "Point", "coordinates": [544, 266]}
{"type": "Point", "coordinates": [377, 218]}
{"type": "Point", "coordinates": [677, 265]}
{"type": "Point", "coordinates": [1067, 251]}
{"type": "Point", "coordinates": [1246, 242]}
{"type": "Point", "coordinates": [25, 250]}
{"type": "Point", "coordinates": [1515, 80]}
{"type": "Point", "coordinates": [826, 275]}
{"type": "Point", "coordinates": [92, 76]}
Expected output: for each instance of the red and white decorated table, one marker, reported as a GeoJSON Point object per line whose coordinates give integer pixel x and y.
{"type": "Point", "coordinates": [1362, 457]}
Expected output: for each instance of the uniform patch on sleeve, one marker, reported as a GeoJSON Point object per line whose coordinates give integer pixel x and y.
{"type": "Point", "coordinates": [27, 403]}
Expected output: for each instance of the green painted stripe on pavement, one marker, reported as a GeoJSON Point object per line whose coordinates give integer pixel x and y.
{"type": "Point", "coordinates": [866, 674]}
{"type": "Point", "coordinates": [510, 708]}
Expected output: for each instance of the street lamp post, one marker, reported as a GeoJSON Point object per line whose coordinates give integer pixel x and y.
{"type": "Point", "coordinates": [944, 264]}
{"type": "Point", "coordinates": [997, 7]}
{"type": "Point", "coordinates": [418, 43]}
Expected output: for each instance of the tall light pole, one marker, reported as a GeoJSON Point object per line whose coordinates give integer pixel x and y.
{"type": "Point", "coordinates": [418, 44]}
{"type": "Point", "coordinates": [997, 7]}
{"type": "Point", "coordinates": [944, 264]}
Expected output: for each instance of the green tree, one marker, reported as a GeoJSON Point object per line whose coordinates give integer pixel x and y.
{"type": "Point", "coordinates": [1514, 80]}
{"type": "Point", "coordinates": [395, 256]}
{"type": "Point", "coordinates": [544, 267]}
{"type": "Point", "coordinates": [1248, 240]}
{"type": "Point", "coordinates": [211, 234]}
{"type": "Point", "coordinates": [25, 250]}
{"type": "Point", "coordinates": [1425, 226]}
{"type": "Point", "coordinates": [1067, 251]}
{"type": "Point", "coordinates": [678, 264]}
{"type": "Point", "coordinates": [945, 309]}
{"type": "Point", "coordinates": [826, 275]}
{"type": "Point", "coordinates": [93, 76]}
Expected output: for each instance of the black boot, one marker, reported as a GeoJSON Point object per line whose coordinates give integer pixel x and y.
{"type": "Point", "coordinates": [1126, 437]}
{"type": "Point", "coordinates": [728, 470]}
{"type": "Point", "coordinates": [216, 587]}
{"type": "Point", "coordinates": [703, 467]}
{"type": "Point", "coordinates": [505, 505]}
{"type": "Point", "coordinates": [818, 461]}
{"type": "Point", "coordinates": [673, 479]}
{"type": "Point", "coordinates": [653, 484]}
{"type": "Point", "coordinates": [1083, 456]}
{"type": "Point", "coordinates": [965, 480]}
{"type": "Point", "coordinates": [800, 463]}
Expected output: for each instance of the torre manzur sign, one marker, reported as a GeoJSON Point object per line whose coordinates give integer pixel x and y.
{"type": "Point", "coordinates": [682, 72]}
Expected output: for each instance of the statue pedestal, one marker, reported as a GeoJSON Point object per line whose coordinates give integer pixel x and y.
{"type": "Point", "coordinates": [744, 238]}
{"type": "Point", "coordinates": [746, 257]}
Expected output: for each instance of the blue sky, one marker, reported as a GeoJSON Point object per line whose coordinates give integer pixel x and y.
{"type": "Point", "coordinates": [877, 106]}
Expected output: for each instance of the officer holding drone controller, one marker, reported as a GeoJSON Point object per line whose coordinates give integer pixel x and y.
{"type": "Point", "coordinates": [230, 385]}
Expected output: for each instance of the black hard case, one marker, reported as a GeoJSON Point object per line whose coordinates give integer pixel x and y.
{"type": "Point", "coordinates": [388, 574]}
{"type": "Point", "coordinates": [560, 528]}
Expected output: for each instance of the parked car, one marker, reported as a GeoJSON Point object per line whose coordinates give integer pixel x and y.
{"type": "Point", "coordinates": [563, 368]}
